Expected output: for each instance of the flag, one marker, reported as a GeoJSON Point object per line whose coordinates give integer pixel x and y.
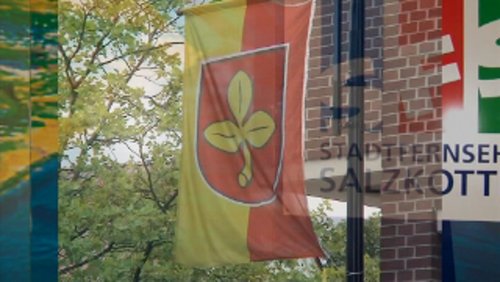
{"type": "Point", "coordinates": [242, 193]}
{"type": "Point", "coordinates": [29, 146]}
{"type": "Point", "coordinates": [470, 212]}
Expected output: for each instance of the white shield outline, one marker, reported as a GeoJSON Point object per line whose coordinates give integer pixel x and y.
{"type": "Point", "coordinates": [283, 115]}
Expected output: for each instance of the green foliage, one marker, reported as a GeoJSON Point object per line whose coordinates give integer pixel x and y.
{"type": "Point", "coordinates": [333, 236]}
{"type": "Point", "coordinates": [117, 217]}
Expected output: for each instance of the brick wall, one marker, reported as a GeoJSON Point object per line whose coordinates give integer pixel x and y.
{"type": "Point", "coordinates": [320, 83]}
{"type": "Point", "coordinates": [403, 95]}
{"type": "Point", "coordinates": [411, 114]}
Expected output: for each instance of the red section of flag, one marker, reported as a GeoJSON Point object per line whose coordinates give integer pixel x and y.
{"type": "Point", "coordinates": [453, 25]}
{"type": "Point", "coordinates": [221, 169]}
{"type": "Point", "coordinates": [283, 229]}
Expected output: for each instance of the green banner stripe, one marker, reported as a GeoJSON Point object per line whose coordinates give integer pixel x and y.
{"type": "Point", "coordinates": [488, 11]}
{"type": "Point", "coordinates": [486, 73]}
{"type": "Point", "coordinates": [489, 119]}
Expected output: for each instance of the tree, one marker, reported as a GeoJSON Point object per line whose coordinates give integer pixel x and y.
{"type": "Point", "coordinates": [333, 236]}
{"type": "Point", "coordinates": [117, 216]}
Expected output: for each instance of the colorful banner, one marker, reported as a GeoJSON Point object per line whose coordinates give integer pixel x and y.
{"type": "Point", "coordinates": [471, 138]}
{"type": "Point", "coordinates": [242, 186]}
{"type": "Point", "coordinates": [15, 186]}
{"type": "Point", "coordinates": [28, 140]}
{"type": "Point", "coordinates": [471, 141]}
{"type": "Point", "coordinates": [44, 134]}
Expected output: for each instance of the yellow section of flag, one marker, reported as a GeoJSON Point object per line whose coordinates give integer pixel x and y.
{"type": "Point", "coordinates": [212, 31]}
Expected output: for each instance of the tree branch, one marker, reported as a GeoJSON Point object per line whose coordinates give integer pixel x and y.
{"type": "Point", "coordinates": [85, 261]}
{"type": "Point", "coordinates": [150, 180]}
{"type": "Point", "coordinates": [82, 33]}
{"type": "Point", "coordinates": [147, 253]}
{"type": "Point", "coordinates": [144, 50]}
{"type": "Point", "coordinates": [79, 233]}
{"type": "Point", "coordinates": [67, 70]}
{"type": "Point", "coordinates": [170, 201]}
{"type": "Point", "coordinates": [93, 57]}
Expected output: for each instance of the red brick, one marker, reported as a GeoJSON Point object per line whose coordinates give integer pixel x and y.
{"type": "Point", "coordinates": [416, 126]}
{"type": "Point", "coordinates": [388, 254]}
{"type": "Point", "coordinates": [409, 28]}
{"type": "Point", "coordinates": [434, 125]}
{"type": "Point", "coordinates": [407, 229]}
{"type": "Point", "coordinates": [433, 35]}
{"type": "Point", "coordinates": [388, 231]}
{"type": "Point", "coordinates": [418, 15]}
{"type": "Point", "coordinates": [419, 37]}
{"type": "Point", "coordinates": [392, 242]}
{"type": "Point", "coordinates": [434, 12]}
{"type": "Point", "coordinates": [423, 215]}
{"type": "Point", "coordinates": [314, 155]}
{"type": "Point", "coordinates": [428, 4]}
{"type": "Point", "coordinates": [404, 39]}
{"type": "Point", "coordinates": [392, 264]}
{"type": "Point", "coordinates": [422, 240]}
{"type": "Point", "coordinates": [316, 144]}
{"type": "Point", "coordinates": [425, 251]}
{"type": "Point", "coordinates": [406, 206]}
{"type": "Point", "coordinates": [426, 227]}
{"type": "Point", "coordinates": [426, 25]}
{"type": "Point", "coordinates": [406, 275]}
{"type": "Point", "coordinates": [405, 73]}
{"type": "Point", "coordinates": [423, 275]}
{"type": "Point", "coordinates": [387, 276]}
{"type": "Point", "coordinates": [424, 205]}
{"type": "Point", "coordinates": [318, 82]}
{"type": "Point", "coordinates": [409, 6]}
{"type": "Point", "coordinates": [395, 63]}
{"type": "Point", "coordinates": [420, 262]}
{"type": "Point", "coordinates": [403, 18]}
{"type": "Point", "coordinates": [319, 92]}
{"type": "Point", "coordinates": [317, 102]}
{"type": "Point", "coordinates": [406, 252]}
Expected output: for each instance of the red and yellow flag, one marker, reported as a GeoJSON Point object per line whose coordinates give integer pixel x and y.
{"type": "Point", "coordinates": [242, 185]}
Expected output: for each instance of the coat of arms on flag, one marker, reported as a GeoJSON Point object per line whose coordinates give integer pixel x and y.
{"type": "Point", "coordinates": [242, 181]}
{"type": "Point", "coordinates": [240, 124]}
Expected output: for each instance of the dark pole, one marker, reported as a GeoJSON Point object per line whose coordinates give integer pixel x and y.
{"type": "Point", "coordinates": [355, 244]}
{"type": "Point", "coordinates": [337, 59]}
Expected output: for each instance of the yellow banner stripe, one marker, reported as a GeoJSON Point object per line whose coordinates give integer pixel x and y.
{"type": "Point", "coordinates": [210, 230]}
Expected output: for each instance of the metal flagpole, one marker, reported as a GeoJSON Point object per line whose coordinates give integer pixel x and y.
{"type": "Point", "coordinates": [355, 220]}
{"type": "Point", "coordinates": [337, 59]}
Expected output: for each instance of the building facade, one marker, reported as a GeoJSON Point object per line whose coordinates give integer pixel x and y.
{"type": "Point", "coordinates": [403, 127]}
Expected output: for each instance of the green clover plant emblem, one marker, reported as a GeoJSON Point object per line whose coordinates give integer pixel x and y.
{"type": "Point", "coordinates": [255, 131]}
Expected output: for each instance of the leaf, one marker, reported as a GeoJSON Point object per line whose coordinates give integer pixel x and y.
{"type": "Point", "coordinates": [240, 94]}
{"type": "Point", "coordinates": [259, 128]}
{"type": "Point", "coordinates": [224, 136]}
